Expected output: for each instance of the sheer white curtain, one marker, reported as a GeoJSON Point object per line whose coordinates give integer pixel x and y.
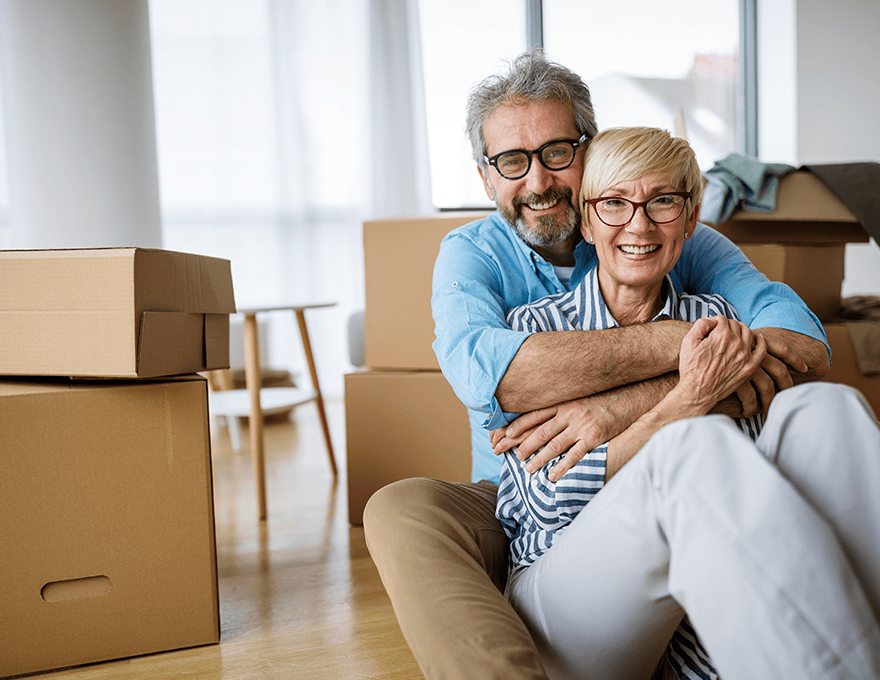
{"type": "Point", "coordinates": [281, 126]}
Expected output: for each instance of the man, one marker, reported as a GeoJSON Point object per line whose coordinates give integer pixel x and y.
{"type": "Point", "coordinates": [438, 546]}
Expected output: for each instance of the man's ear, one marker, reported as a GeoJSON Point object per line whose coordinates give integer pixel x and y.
{"type": "Point", "coordinates": [488, 187]}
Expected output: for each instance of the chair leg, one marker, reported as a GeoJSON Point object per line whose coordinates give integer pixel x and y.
{"type": "Point", "coordinates": [319, 400]}
{"type": "Point", "coordinates": [234, 430]}
{"type": "Point", "coordinates": [255, 424]}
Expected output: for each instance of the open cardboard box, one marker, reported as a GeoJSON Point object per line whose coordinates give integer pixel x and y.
{"type": "Point", "coordinates": [106, 521]}
{"type": "Point", "coordinates": [802, 242]}
{"type": "Point", "coordinates": [114, 312]}
{"type": "Point", "coordinates": [806, 212]}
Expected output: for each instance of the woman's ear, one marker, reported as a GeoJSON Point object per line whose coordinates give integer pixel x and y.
{"type": "Point", "coordinates": [586, 229]}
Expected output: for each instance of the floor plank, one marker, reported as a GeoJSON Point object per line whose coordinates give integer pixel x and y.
{"type": "Point", "coordinates": [299, 595]}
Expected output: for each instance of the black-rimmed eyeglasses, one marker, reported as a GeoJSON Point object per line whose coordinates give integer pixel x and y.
{"type": "Point", "coordinates": [516, 163]}
{"type": "Point", "coordinates": [618, 211]}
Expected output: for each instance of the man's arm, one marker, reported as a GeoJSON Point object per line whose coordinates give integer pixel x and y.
{"type": "Point", "coordinates": [551, 368]}
{"type": "Point", "coordinates": [792, 358]}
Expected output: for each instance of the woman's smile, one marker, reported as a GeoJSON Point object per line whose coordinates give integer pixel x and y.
{"type": "Point", "coordinates": [639, 250]}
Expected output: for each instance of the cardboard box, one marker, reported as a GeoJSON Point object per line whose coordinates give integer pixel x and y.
{"type": "Point", "coordinates": [844, 368]}
{"type": "Point", "coordinates": [115, 312]}
{"type": "Point", "coordinates": [106, 521]}
{"type": "Point", "coordinates": [806, 212]}
{"type": "Point", "coordinates": [815, 273]}
{"type": "Point", "coordinates": [399, 260]}
{"type": "Point", "coordinates": [402, 424]}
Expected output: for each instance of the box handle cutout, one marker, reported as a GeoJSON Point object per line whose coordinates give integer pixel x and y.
{"type": "Point", "coordinates": [76, 589]}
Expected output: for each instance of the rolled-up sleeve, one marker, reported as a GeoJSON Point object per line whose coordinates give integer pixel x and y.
{"type": "Point", "coordinates": [473, 343]}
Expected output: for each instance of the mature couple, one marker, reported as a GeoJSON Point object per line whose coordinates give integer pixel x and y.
{"type": "Point", "coordinates": [630, 536]}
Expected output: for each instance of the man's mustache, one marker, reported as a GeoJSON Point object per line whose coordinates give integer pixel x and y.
{"type": "Point", "coordinates": [549, 196]}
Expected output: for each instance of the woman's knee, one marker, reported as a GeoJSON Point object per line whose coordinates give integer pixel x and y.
{"type": "Point", "coordinates": [696, 449]}
{"type": "Point", "coordinates": [820, 401]}
{"type": "Point", "coordinates": [693, 436]}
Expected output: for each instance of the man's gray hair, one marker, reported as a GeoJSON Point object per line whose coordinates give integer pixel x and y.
{"type": "Point", "coordinates": [531, 77]}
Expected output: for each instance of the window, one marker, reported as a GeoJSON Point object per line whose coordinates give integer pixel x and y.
{"type": "Point", "coordinates": [646, 64]}
{"type": "Point", "coordinates": [463, 41]}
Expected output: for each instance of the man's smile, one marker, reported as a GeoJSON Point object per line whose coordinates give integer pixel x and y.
{"type": "Point", "coordinates": [540, 202]}
{"type": "Point", "coordinates": [546, 205]}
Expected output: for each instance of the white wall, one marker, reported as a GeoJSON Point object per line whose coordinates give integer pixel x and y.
{"type": "Point", "coordinates": [818, 96]}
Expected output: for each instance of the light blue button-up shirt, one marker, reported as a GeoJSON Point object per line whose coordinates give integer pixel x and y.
{"type": "Point", "coordinates": [484, 269]}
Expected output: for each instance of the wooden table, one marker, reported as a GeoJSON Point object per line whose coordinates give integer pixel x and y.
{"type": "Point", "coordinates": [253, 382]}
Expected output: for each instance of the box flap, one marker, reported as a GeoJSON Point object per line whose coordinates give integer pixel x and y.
{"type": "Point", "coordinates": [14, 388]}
{"type": "Point", "coordinates": [171, 342]}
{"type": "Point", "coordinates": [216, 341]}
{"type": "Point", "coordinates": [180, 282]}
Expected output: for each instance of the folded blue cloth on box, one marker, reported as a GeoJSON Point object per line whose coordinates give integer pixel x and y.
{"type": "Point", "coordinates": [740, 182]}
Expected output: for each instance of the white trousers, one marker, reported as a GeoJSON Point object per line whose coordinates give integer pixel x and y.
{"type": "Point", "coordinates": [772, 549]}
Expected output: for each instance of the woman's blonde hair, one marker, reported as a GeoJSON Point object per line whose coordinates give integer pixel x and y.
{"type": "Point", "coordinates": [628, 153]}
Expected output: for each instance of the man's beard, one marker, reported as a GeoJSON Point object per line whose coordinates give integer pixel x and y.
{"type": "Point", "coordinates": [549, 230]}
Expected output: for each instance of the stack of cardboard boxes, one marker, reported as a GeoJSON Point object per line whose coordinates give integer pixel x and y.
{"type": "Point", "coordinates": [802, 243]}
{"type": "Point", "coordinates": [402, 418]}
{"type": "Point", "coordinates": [106, 498]}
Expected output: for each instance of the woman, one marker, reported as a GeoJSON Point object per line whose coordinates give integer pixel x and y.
{"type": "Point", "coordinates": [768, 539]}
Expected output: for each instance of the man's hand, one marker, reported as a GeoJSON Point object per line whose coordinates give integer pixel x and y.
{"type": "Point", "coordinates": [792, 358]}
{"type": "Point", "coordinates": [573, 428]}
{"type": "Point", "coordinates": [576, 427]}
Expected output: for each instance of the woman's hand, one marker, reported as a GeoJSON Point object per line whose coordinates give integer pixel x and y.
{"type": "Point", "coordinates": [718, 356]}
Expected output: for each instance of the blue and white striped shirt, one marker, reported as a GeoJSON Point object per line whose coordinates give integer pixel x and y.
{"type": "Point", "coordinates": [534, 510]}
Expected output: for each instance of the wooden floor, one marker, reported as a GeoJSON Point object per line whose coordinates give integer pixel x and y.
{"type": "Point", "coordinates": [299, 595]}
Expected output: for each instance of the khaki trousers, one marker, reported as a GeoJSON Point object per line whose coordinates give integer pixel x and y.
{"type": "Point", "coordinates": [442, 556]}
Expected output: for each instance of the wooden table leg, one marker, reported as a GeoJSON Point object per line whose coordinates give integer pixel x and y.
{"type": "Point", "coordinates": [319, 399]}
{"type": "Point", "coordinates": [254, 381]}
